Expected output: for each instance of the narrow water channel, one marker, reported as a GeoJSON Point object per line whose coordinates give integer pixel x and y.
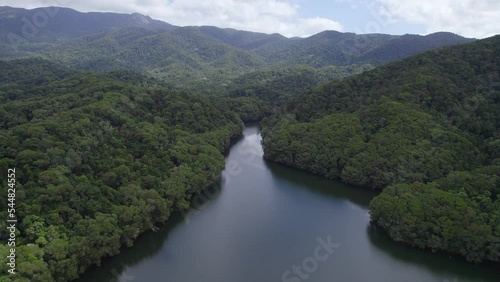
{"type": "Point", "coordinates": [270, 223]}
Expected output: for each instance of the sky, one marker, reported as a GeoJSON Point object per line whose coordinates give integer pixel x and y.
{"type": "Point", "coordinates": [469, 18]}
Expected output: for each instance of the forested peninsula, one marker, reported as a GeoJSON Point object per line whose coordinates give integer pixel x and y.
{"type": "Point", "coordinates": [424, 130]}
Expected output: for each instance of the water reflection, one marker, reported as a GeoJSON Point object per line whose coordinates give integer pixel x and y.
{"type": "Point", "coordinates": [263, 219]}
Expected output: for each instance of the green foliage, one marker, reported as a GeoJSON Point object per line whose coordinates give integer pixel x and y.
{"type": "Point", "coordinates": [103, 157]}
{"type": "Point", "coordinates": [406, 145]}
{"type": "Point", "coordinates": [249, 108]}
{"type": "Point", "coordinates": [206, 59]}
{"type": "Point", "coordinates": [64, 23]}
{"type": "Point", "coordinates": [323, 147]}
{"type": "Point", "coordinates": [342, 49]}
{"type": "Point", "coordinates": [459, 214]}
{"type": "Point", "coordinates": [100, 159]}
{"type": "Point", "coordinates": [274, 85]}
{"type": "Point", "coordinates": [384, 144]}
{"type": "Point", "coordinates": [30, 265]}
{"type": "Point", "coordinates": [411, 126]}
{"type": "Point", "coordinates": [421, 118]}
{"type": "Point", "coordinates": [184, 57]}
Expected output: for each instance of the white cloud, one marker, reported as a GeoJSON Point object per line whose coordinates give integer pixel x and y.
{"type": "Point", "coordinates": [470, 18]}
{"type": "Point", "coordinates": [269, 16]}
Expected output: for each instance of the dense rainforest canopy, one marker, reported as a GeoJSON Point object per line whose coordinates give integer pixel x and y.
{"type": "Point", "coordinates": [103, 153]}
{"type": "Point", "coordinates": [426, 128]}
{"type": "Point", "coordinates": [99, 159]}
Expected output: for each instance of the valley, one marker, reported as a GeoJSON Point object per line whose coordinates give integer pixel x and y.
{"type": "Point", "coordinates": [117, 124]}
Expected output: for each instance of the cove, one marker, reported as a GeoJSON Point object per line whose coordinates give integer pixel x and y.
{"type": "Point", "coordinates": [271, 223]}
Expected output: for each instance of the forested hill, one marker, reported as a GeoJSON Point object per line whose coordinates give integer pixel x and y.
{"type": "Point", "coordinates": [99, 158]}
{"type": "Point", "coordinates": [430, 118]}
{"type": "Point", "coordinates": [203, 59]}
{"type": "Point", "coordinates": [52, 24]}
{"type": "Point", "coordinates": [337, 48]}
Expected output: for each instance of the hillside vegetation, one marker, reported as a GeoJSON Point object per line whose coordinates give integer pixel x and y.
{"type": "Point", "coordinates": [99, 159]}
{"type": "Point", "coordinates": [199, 59]}
{"type": "Point", "coordinates": [114, 121]}
{"type": "Point", "coordinates": [427, 127]}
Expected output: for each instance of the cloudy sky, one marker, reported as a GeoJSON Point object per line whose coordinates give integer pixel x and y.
{"type": "Point", "coordinates": [470, 18]}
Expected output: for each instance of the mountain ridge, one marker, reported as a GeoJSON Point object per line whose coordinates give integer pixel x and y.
{"type": "Point", "coordinates": [145, 20]}
{"type": "Point", "coordinates": [424, 130]}
{"type": "Point", "coordinates": [201, 58]}
{"type": "Point", "coordinates": [58, 23]}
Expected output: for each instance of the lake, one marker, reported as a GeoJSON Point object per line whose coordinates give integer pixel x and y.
{"type": "Point", "coordinates": [271, 223]}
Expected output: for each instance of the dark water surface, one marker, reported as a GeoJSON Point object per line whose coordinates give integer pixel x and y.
{"type": "Point", "coordinates": [270, 223]}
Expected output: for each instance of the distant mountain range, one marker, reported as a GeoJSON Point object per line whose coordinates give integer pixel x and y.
{"type": "Point", "coordinates": [203, 57]}
{"type": "Point", "coordinates": [56, 23]}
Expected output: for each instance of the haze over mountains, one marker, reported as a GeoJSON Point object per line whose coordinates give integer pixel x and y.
{"type": "Point", "coordinates": [205, 57]}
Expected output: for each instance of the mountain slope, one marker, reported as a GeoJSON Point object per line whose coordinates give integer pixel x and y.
{"type": "Point", "coordinates": [275, 84]}
{"type": "Point", "coordinates": [456, 86]}
{"type": "Point", "coordinates": [407, 45]}
{"type": "Point", "coordinates": [336, 48]}
{"type": "Point", "coordinates": [243, 39]}
{"type": "Point", "coordinates": [196, 58]}
{"type": "Point", "coordinates": [184, 56]}
{"type": "Point", "coordinates": [99, 159]}
{"type": "Point", "coordinates": [56, 23]}
{"type": "Point", "coordinates": [413, 125]}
